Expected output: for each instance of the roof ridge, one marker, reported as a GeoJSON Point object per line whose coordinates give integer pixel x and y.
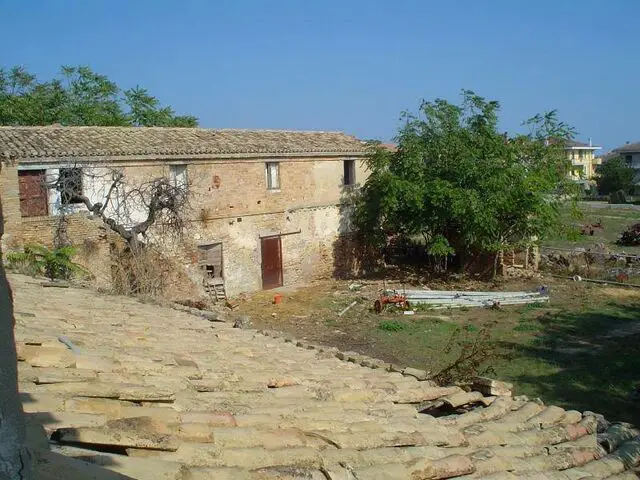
{"type": "Point", "coordinates": [156, 127]}
{"type": "Point", "coordinates": [90, 141]}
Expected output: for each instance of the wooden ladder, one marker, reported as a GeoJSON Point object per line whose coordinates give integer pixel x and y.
{"type": "Point", "coordinates": [215, 288]}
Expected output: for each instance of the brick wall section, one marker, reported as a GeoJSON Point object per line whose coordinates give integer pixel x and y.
{"type": "Point", "coordinates": [231, 204]}
{"type": "Point", "coordinates": [89, 236]}
{"type": "Point", "coordinates": [10, 207]}
{"type": "Point", "coordinates": [79, 227]}
{"type": "Point", "coordinates": [231, 188]}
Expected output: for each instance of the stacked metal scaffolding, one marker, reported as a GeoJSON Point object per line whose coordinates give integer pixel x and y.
{"type": "Point", "coordinates": [457, 299]}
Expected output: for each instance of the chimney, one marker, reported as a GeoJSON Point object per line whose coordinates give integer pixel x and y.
{"type": "Point", "coordinates": [590, 144]}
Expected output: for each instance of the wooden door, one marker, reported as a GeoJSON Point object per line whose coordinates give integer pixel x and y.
{"type": "Point", "coordinates": [271, 262]}
{"type": "Point", "coordinates": [34, 201]}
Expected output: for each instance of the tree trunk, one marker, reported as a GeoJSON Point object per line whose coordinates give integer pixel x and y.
{"type": "Point", "coordinates": [15, 459]}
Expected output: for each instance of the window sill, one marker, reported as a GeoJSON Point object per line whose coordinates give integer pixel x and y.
{"type": "Point", "coordinates": [273, 190]}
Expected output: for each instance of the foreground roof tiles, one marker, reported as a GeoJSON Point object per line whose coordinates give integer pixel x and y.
{"type": "Point", "coordinates": [131, 390]}
{"type": "Point", "coordinates": [58, 141]}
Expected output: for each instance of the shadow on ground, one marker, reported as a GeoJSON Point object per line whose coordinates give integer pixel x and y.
{"type": "Point", "coordinates": [584, 360]}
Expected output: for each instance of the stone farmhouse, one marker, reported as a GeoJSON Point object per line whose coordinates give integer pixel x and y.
{"type": "Point", "coordinates": [265, 206]}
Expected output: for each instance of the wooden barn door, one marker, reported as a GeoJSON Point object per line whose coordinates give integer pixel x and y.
{"type": "Point", "coordinates": [271, 262]}
{"type": "Point", "coordinates": [34, 200]}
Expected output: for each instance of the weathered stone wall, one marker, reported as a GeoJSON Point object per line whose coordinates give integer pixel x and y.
{"type": "Point", "coordinates": [11, 207]}
{"type": "Point", "coordinates": [230, 203]}
{"type": "Point", "coordinates": [307, 235]}
{"type": "Point", "coordinates": [88, 235]}
{"type": "Point", "coordinates": [231, 188]}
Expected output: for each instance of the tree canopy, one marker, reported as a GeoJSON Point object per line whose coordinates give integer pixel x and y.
{"type": "Point", "coordinates": [463, 185]}
{"type": "Point", "coordinates": [614, 175]}
{"type": "Point", "coordinates": [79, 96]}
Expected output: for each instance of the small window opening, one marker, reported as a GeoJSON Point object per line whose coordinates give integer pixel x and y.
{"type": "Point", "coordinates": [210, 260]}
{"type": "Point", "coordinates": [69, 185]}
{"type": "Point", "coordinates": [273, 175]}
{"type": "Point", "coordinates": [349, 177]}
{"type": "Point", "coordinates": [178, 175]}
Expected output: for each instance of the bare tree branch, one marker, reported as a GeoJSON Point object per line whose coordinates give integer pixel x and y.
{"type": "Point", "coordinates": [157, 200]}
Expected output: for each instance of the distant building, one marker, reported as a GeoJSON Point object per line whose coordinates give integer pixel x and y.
{"type": "Point", "coordinates": [630, 153]}
{"type": "Point", "coordinates": [583, 160]}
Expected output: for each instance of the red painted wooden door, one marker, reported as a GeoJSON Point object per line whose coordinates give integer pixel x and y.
{"type": "Point", "coordinates": [271, 262]}
{"type": "Point", "coordinates": [33, 193]}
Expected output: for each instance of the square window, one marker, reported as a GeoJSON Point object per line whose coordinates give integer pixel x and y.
{"type": "Point", "coordinates": [272, 170]}
{"type": "Point", "coordinates": [69, 185]}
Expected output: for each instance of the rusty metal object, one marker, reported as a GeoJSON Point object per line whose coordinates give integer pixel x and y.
{"type": "Point", "coordinates": [590, 228]}
{"type": "Point", "coordinates": [398, 300]}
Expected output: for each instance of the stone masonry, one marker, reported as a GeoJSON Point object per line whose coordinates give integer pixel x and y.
{"type": "Point", "coordinates": [114, 388]}
{"type": "Point", "coordinates": [231, 202]}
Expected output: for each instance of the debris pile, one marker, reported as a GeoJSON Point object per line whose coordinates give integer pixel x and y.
{"type": "Point", "coordinates": [590, 228]}
{"type": "Point", "coordinates": [631, 236]}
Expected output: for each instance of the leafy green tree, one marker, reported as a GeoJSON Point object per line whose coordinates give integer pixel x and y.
{"type": "Point", "coordinates": [462, 184]}
{"type": "Point", "coordinates": [145, 111]}
{"type": "Point", "coordinates": [90, 99]}
{"type": "Point", "coordinates": [80, 96]}
{"type": "Point", "coordinates": [614, 175]}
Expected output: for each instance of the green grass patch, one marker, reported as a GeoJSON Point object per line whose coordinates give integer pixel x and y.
{"type": "Point", "coordinates": [562, 353]}
{"type": "Point", "coordinates": [614, 221]}
{"type": "Point", "coordinates": [526, 327]}
{"type": "Point", "coordinates": [391, 326]}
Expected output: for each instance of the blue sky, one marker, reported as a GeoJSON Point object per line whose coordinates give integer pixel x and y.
{"type": "Point", "coordinates": [350, 65]}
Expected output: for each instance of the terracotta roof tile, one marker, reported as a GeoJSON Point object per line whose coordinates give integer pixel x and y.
{"type": "Point", "coordinates": [57, 141]}
{"type": "Point", "coordinates": [142, 377]}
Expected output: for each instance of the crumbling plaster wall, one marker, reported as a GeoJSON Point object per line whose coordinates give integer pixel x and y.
{"type": "Point", "coordinates": [230, 203]}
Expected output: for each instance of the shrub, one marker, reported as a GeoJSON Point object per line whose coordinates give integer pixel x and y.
{"type": "Point", "coordinates": [618, 197]}
{"type": "Point", "coordinates": [390, 326]}
{"type": "Point", "coordinates": [39, 260]}
{"type": "Point", "coordinates": [473, 354]}
{"type": "Point", "coordinates": [141, 272]}
{"type": "Point", "coordinates": [631, 236]}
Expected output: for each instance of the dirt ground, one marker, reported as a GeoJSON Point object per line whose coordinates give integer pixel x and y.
{"type": "Point", "coordinates": [311, 312]}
